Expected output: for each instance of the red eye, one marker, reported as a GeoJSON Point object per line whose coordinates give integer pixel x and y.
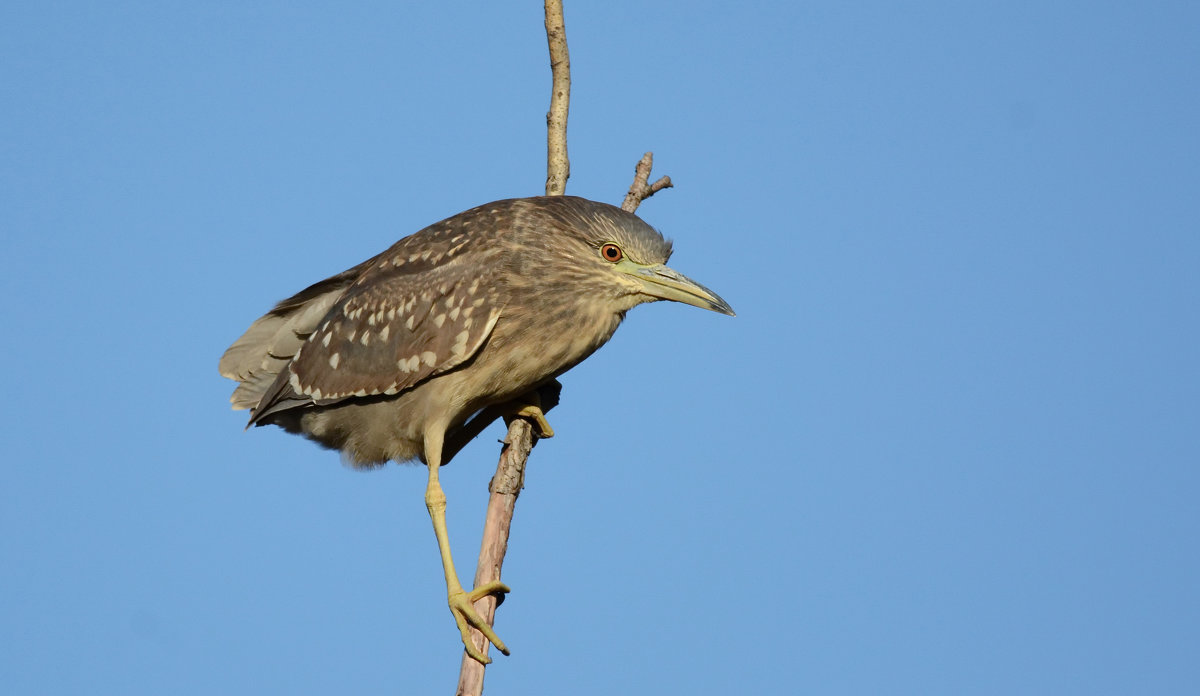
{"type": "Point", "coordinates": [611, 252]}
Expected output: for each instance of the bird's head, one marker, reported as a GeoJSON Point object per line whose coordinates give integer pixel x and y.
{"type": "Point", "coordinates": [613, 252]}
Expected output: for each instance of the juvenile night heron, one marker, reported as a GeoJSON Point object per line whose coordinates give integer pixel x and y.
{"type": "Point", "coordinates": [387, 360]}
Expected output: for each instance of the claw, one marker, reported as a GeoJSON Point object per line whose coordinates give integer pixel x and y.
{"type": "Point", "coordinates": [541, 426]}
{"type": "Point", "coordinates": [462, 605]}
{"type": "Point", "coordinates": [530, 406]}
{"type": "Point", "coordinates": [487, 589]}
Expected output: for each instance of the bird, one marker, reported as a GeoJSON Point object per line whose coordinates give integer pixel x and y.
{"type": "Point", "coordinates": [479, 313]}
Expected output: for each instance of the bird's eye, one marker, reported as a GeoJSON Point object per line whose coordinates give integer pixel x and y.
{"type": "Point", "coordinates": [611, 252]}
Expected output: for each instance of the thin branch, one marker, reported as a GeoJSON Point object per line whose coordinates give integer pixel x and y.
{"type": "Point", "coordinates": [510, 471]}
{"type": "Point", "coordinates": [505, 487]}
{"type": "Point", "coordinates": [640, 190]}
{"type": "Point", "coordinates": [558, 167]}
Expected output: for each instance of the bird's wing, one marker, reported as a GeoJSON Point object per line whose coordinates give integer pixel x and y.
{"type": "Point", "coordinates": [391, 330]}
{"type": "Point", "coordinates": [264, 350]}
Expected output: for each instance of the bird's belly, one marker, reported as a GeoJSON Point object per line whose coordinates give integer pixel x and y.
{"type": "Point", "coordinates": [369, 432]}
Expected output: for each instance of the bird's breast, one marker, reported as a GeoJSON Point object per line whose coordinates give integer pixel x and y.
{"type": "Point", "coordinates": [528, 349]}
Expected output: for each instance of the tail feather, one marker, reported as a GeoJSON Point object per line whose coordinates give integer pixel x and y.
{"type": "Point", "coordinates": [264, 351]}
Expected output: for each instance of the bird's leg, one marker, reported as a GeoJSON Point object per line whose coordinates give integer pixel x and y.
{"type": "Point", "coordinates": [529, 405]}
{"type": "Point", "coordinates": [462, 603]}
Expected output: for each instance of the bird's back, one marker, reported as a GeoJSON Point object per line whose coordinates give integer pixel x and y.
{"type": "Point", "coordinates": [368, 359]}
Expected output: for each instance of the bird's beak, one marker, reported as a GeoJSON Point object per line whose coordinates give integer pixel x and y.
{"type": "Point", "coordinates": [668, 284]}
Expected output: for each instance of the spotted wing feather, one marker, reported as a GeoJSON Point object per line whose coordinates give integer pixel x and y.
{"type": "Point", "coordinates": [386, 336]}
{"type": "Point", "coordinates": [414, 311]}
{"type": "Point", "coordinates": [269, 344]}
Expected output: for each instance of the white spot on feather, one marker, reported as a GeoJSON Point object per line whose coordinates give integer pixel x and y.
{"type": "Point", "coordinates": [325, 341]}
{"type": "Point", "coordinates": [460, 344]}
{"type": "Point", "coordinates": [334, 360]}
{"type": "Point", "coordinates": [383, 333]}
{"type": "Point", "coordinates": [429, 357]}
{"type": "Point", "coordinates": [439, 320]}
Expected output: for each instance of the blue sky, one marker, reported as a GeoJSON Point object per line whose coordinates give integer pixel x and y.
{"type": "Point", "coordinates": [948, 446]}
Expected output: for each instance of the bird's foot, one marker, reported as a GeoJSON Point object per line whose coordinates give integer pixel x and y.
{"type": "Point", "coordinates": [462, 605]}
{"type": "Point", "coordinates": [530, 406]}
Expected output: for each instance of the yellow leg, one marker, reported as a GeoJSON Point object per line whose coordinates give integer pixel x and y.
{"type": "Point", "coordinates": [462, 604]}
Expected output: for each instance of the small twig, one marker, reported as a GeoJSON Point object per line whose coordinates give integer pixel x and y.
{"type": "Point", "coordinates": [558, 166]}
{"type": "Point", "coordinates": [640, 190]}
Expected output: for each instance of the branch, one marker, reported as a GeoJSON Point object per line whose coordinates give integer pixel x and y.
{"type": "Point", "coordinates": [510, 471]}
{"type": "Point", "coordinates": [505, 487]}
{"type": "Point", "coordinates": [640, 190]}
{"type": "Point", "coordinates": [558, 167]}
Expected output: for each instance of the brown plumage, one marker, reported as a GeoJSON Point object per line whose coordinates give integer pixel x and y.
{"type": "Point", "coordinates": [386, 361]}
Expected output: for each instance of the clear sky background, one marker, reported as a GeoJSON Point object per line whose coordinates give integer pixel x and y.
{"type": "Point", "coordinates": [948, 446]}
